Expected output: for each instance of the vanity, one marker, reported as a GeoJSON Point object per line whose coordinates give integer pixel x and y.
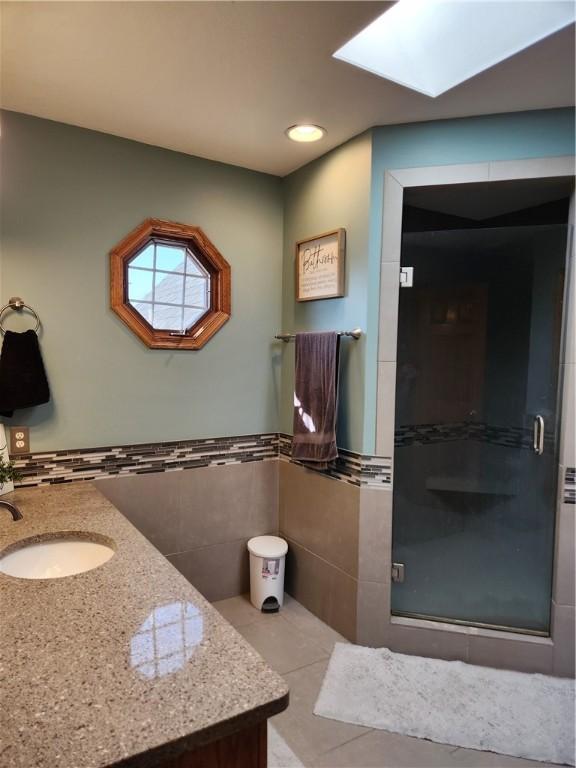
{"type": "Point", "coordinates": [125, 664]}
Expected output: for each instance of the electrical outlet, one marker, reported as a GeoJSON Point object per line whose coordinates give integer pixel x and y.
{"type": "Point", "coordinates": [19, 440]}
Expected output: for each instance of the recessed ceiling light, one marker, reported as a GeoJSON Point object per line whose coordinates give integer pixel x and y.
{"type": "Point", "coordinates": [434, 45]}
{"type": "Point", "coordinates": [305, 132]}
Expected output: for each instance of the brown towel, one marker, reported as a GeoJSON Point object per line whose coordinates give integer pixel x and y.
{"type": "Point", "coordinates": [315, 398]}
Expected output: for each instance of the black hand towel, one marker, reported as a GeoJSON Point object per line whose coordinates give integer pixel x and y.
{"type": "Point", "coordinates": [315, 399]}
{"type": "Point", "coordinates": [23, 381]}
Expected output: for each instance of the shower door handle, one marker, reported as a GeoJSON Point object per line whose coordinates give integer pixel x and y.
{"type": "Point", "coordinates": [538, 435]}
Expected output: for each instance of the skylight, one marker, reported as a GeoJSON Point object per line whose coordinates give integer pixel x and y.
{"type": "Point", "coordinates": [433, 45]}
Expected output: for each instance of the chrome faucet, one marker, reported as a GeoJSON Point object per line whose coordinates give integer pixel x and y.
{"type": "Point", "coordinates": [12, 508]}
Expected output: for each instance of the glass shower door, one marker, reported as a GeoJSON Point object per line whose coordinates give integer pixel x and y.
{"type": "Point", "coordinates": [476, 422]}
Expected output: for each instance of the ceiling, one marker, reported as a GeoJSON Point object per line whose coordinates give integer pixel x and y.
{"type": "Point", "coordinates": [223, 80]}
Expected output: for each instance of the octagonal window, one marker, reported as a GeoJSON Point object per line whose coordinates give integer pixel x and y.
{"type": "Point", "coordinates": [170, 285]}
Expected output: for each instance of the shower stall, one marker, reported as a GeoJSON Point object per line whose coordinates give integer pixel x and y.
{"type": "Point", "coordinates": [477, 402]}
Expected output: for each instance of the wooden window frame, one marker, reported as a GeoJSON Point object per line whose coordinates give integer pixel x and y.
{"type": "Point", "coordinates": [207, 254]}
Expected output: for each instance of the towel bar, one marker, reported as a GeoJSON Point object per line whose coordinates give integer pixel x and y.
{"type": "Point", "coordinates": [17, 304]}
{"type": "Point", "coordinates": [355, 334]}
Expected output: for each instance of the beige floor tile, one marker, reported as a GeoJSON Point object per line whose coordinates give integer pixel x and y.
{"type": "Point", "coordinates": [307, 734]}
{"type": "Point", "coordinates": [298, 645]}
{"type": "Point", "coordinates": [380, 749]}
{"type": "Point", "coordinates": [310, 625]}
{"type": "Point", "coordinates": [472, 758]}
{"type": "Point", "coordinates": [239, 611]}
{"type": "Point", "coordinates": [281, 644]}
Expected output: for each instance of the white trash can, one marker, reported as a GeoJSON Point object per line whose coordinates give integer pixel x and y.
{"type": "Point", "coordinates": [267, 560]}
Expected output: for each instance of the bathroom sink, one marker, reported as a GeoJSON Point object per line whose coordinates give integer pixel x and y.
{"type": "Point", "coordinates": [55, 555]}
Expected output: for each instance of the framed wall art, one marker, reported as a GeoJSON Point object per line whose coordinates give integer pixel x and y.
{"type": "Point", "coordinates": [320, 266]}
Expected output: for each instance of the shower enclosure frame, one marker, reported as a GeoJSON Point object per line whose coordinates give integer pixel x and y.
{"type": "Point", "coordinates": [509, 649]}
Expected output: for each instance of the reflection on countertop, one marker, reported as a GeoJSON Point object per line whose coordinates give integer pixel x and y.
{"type": "Point", "coordinates": [166, 639]}
{"type": "Point", "coordinates": [127, 662]}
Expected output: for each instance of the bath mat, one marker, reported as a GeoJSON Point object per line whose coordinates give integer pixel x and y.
{"type": "Point", "coordinates": [512, 713]}
{"type": "Point", "coordinates": [279, 753]}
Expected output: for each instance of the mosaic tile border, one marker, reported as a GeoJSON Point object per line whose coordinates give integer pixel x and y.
{"type": "Point", "coordinates": [56, 467]}
{"type": "Point", "coordinates": [353, 468]}
{"type": "Point", "coordinates": [429, 434]}
{"type": "Point", "coordinates": [117, 461]}
{"type": "Point", "coordinates": [96, 463]}
{"type": "Point", "coordinates": [570, 485]}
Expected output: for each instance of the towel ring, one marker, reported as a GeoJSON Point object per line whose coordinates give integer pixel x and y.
{"type": "Point", "coordinates": [17, 304]}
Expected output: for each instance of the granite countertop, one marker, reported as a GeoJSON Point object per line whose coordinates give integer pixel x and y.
{"type": "Point", "coordinates": [126, 664]}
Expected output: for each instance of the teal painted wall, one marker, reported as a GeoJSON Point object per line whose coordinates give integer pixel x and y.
{"type": "Point", "coordinates": [515, 136]}
{"type": "Point", "coordinates": [68, 196]}
{"type": "Point", "coordinates": [331, 192]}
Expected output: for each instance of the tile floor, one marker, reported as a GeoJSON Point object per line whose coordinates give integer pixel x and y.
{"type": "Point", "coordinates": [298, 646]}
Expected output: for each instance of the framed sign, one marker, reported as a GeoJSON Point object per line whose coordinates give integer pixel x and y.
{"type": "Point", "coordinates": [320, 266]}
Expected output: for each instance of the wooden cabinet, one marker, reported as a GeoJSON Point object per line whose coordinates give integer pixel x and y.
{"type": "Point", "coordinates": [245, 749]}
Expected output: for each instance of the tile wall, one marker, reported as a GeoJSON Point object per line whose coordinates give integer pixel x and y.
{"type": "Point", "coordinates": [202, 519]}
